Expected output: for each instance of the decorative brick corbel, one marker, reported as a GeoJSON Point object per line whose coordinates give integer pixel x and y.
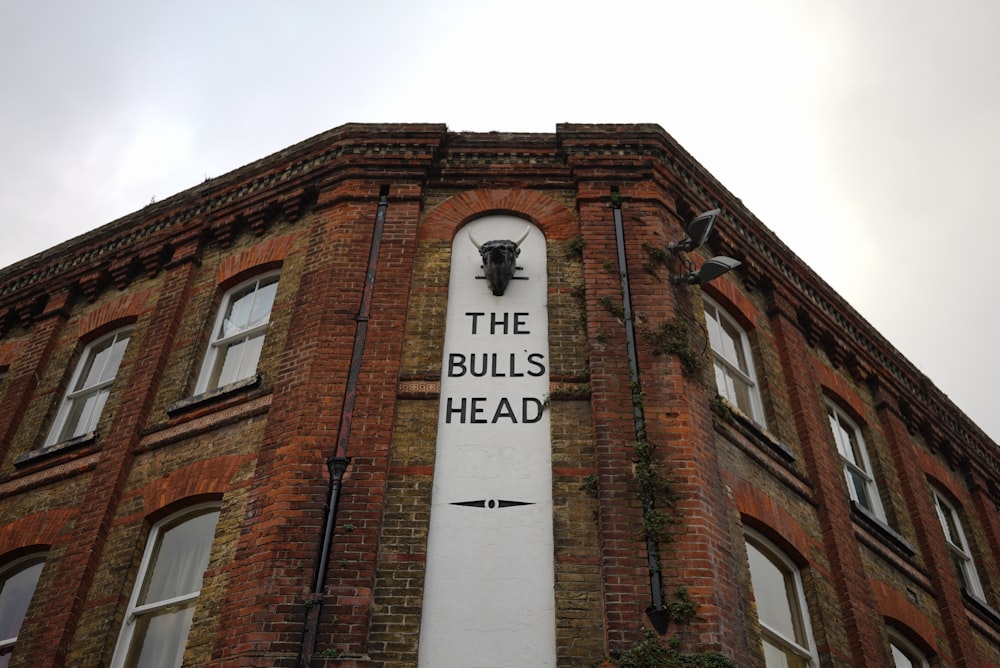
{"type": "Point", "coordinates": [224, 230]}
{"type": "Point", "coordinates": [124, 270]}
{"type": "Point", "coordinates": [257, 217]}
{"type": "Point", "coordinates": [834, 349]}
{"type": "Point", "coordinates": [8, 317]}
{"type": "Point", "coordinates": [187, 248]}
{"type": "Point", "coordinates": [29, 309]}
{"type": "Point", "coordinates": [294, 205]}
{"type": "Point", "coordinates": [92, 284]}
{"type": "Point", "coordinates": [155, 259]}
{"type": "Point", "coordinates": [809, 328]}
{"type": "Point", "coordinates": [754, 277]}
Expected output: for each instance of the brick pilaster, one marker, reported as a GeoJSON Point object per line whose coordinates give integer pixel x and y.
{"type": "Point", "coordinates": [82, 545]}
{"type": "Point", "coordinates": [860, 619]}
{"type": "Point", "coordinates": [930, 536]}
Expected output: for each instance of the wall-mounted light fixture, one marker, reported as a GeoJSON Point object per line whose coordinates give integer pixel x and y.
{"type": "Point", "coordinates": [698, 231]}
{"type": "Point", "coordinates": [710, 270]}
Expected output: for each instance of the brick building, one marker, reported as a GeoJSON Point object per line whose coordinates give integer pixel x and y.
{"type": "Point", "coordinates": [283, 419]}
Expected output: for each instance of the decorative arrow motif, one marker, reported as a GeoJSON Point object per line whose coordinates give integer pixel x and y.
{"type": "Point", "coordinates": [492, 503]}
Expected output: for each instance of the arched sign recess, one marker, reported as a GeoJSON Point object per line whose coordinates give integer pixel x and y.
{"type": "Point", "coordinates": [488, 590]}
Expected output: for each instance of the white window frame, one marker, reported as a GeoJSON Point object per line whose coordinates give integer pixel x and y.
{"type": "Point", "coordinates": [907, 648]}
{"type": "Point", "coordinates": [214, 356]}
{"type": "Point", "coordinates": [807, 651]}
{"type": "Point", "coordinates": [730, 367]}
{"type": "Point", "coordinates": [852, 467]}
{"type": "Point", "coordinates": [12, 568]}
{"type": "Point", "coordinates": [133, 611]}
{"type": "Point", "coordinates": [961, 555]}
{"type": "Point", "coordinates": [76, 394]}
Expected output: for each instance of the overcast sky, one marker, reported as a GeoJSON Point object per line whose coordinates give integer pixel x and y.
{"type": "Point", "coordinates": [865, 133]}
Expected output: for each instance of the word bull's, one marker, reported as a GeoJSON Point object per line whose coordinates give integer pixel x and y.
{"type": "Point", "coordinates": [499, 260]}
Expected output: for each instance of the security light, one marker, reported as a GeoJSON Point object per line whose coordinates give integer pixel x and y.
{"type": "Point", "coordinates": [710, 270]}
{"type": "Point", "coordinates": [698, 232]}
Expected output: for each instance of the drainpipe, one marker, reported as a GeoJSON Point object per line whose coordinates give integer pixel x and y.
{"type": "Point", "coordinates": [338, 464]}
{"type": "Point", "coordinates": [657, 613]}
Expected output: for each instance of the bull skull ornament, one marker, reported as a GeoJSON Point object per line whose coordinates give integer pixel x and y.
{"type": "Point", "coordinates": [499, 260]}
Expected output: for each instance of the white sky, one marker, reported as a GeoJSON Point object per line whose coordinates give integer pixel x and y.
{"type": "Point", "coordinates": [865, 133]}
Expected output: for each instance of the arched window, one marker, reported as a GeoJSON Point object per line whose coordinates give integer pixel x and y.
{"type": "Point", "coordinates": [238, 335]}
{"type": "Point", "coordinates": [160, 611]}
{"type": "Point", "coordinates": [734, 372]}
{"type": "Point", "coordinates": [904, 653]}
{"type": "Point", "coordinates": [89, 389]}
{"type": "Point", "coordinates": [958, 546]}
{"type": "Point", "coordinates": [781, 607]}
{"type": "Point", "coordinates": [854, 456]}
{"type": "Point", "coordinates": [18, 580]}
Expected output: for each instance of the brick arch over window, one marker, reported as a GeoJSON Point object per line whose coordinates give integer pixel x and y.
{"type": "Point", "coordinates": [265, 256]}
{"type": "Point", "coordinates": [763, 513]}
{"type": "Point", "coordinates": [9, 353]}
{"type": "Point", "coordinates": [209, 478]}
{"type": "Point", "coordinates": [733, 301]}
{"type": "Point", "coordinates": [118, 312]}
{"type": "Point", "coordinates": [894, 606]}
{"type": "Point", "coordinates": [551, 216]}
{"type": "Point", "coordinates": [35, 531]}
{"type": "Point", "coordinates": [840, 391]}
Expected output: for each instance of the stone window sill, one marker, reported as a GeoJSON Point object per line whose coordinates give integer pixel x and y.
{"type": "Point", "coordinates": [749, 428]}
{"type": "Point", "coordinates": [207, 398]}
{"type": "Point", "coordinates": [63, 447]}
{"type": "Point", "coordinates": [882, 531]}
{"type": "Point", "coordinates": [981, 608]}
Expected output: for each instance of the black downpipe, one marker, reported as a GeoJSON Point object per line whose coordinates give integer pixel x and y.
{"type": "Point", "coordinates": [338, 464]}
{"type": "Point", "coordinates": [657, 613]}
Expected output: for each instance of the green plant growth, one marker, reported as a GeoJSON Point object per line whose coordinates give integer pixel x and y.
{"type": "Point", "coordinates": [574, 248]}
{"type": "Point", "coordinates": [589, 485]}
{"type": "Point", "coordinates": [650, 652]}
{"type": "Point", "coordinates": [612, 307]}
{"type": "Point", "coordinates": [673, 337]}
{"type": "Point", "coordinates": [655, 258]}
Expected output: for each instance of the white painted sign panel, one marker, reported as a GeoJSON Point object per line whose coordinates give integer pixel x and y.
{"type": "Point", "coordinates": [488, 592]}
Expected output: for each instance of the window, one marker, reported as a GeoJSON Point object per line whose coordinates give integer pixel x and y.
{"type": "Point", "coordinates": [857, 468]}
{"type": "Point", "coordinates": [961, 556]}
{"type": "Point", "coordinates": [904, 653]}
{"type": "Point", "coordinates": [89, 388]}
{"type": "Point", "coordinates": [734, 375]}
{"type": "Point", "coordinates": [238, 336]}
{"type": "Point", "coordinates": [17, 585]}
{"type": "Point", "coordinates": [781, 607]}
{"type": "Point", "coordinates": [161, 609]}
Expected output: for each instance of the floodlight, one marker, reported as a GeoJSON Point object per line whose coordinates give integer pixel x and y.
{"type": "Point", "coordinates": [710, 270]}
{"type": "Point", "coordinates": [698, 232]}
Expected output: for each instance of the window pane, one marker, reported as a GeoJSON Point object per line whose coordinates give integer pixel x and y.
{"type": "Point", "coordinates": [114, 358]}
{"type": "Point", "coordinates": [15, 596]}
{"type": "Point", "coordinates": [742, 391]}
{"type": "Point", "coordinates": [901, 660]}
{"type": "Point", "coordinates": [733, 346]}
{"type": "Point", "coordinates": [93, 365]}
{"type": "Point", "coordinates": [160, 638]}
{"type": "Point", "coordinates": [262, 303]}
{"type": "Point", "coordinates": [250, 356]}
{"type": "Point", "coordinates": [84, 413]}
{"type": "Point", "coordinates": [180, 559]}
{"type": "Point", "coordinates": [227, 365]}
{"type": "Point", "coordinates": [859, 484]}
{"type": "Point", "coordinates": [951, 527]}
{"type": "Point", "coordinates": [238, 313]}
{"type": "Point", "coordinates": [770, 588]}
{"type": "Point", "coordinates": [775, 657]}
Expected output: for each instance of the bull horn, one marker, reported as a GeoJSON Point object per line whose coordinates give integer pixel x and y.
{"type": "Point", "coordinates": [527, 231]}
{"type": "Point", "coordinates": [474, 242]}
